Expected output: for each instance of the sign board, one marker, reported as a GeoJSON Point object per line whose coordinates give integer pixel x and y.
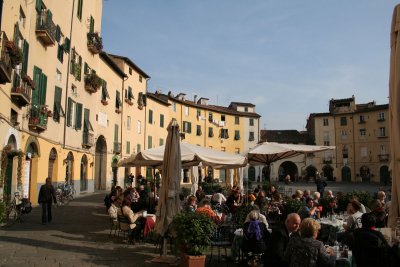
{"type": "Point", "coordinates": [26, 179]}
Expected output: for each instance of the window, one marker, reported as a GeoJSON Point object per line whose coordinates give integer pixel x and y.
{"type": "Point", "coordinates": [382, 132]}
{"type": "Point", "coordinates": [57, 108]}
{"type": "Point", "coordinates": [128, 147]}
{"type": "Point", "coordinates": [149, 142]}
{"type": "Point", "coordinates": [116, 131]}
{"type": "Point", "coordinates": [364, 152]}
{"type": "Point", "coordinates": [383, 150]}
{"type": "Point", "coordinates": [222, 117]}
{"type": "Point", "coordinates": [343, 135]}
{"type": "Point", "coordinates": [71, 113]}
{"type": "Point", "coordinates": [210, 132]}
{"type": "Point", "coordinates": [79, 11]}
{"type": "Point", "coordinates": [251, 122]}
{"type": "Point", "coordinates": [150, 116]}
{"type": "Point", "coordinates": [76, 65]}
{"type": "Point", "coordinates": [223, 149]}
{"type": "Point", "coordinates": [186, 111]}
{"type": "Point", "coordinates": [39, 94]}
{"type": "Point", "coordinates": [140, 78]}
{"type": "Point", "coordinates": [237, 135]}
{"type": "Point", "coordinates": [198, 130]}
{"type": "Point", "coordinates": [161, 142]}
{"type": "Point", "coordinates": [59, 75]}
{"type": "Point", "coordinates": [162, 120]}
{"type": "Point", "coordinates": [87, 126]}
{"type": "Point", "coordinates": [210, 117]}
{"type": "Point", "coordinates": [251, 136]}
{"type": "Point", "coordinates": [343, 121]}
{"type": "Point", "coordinates": [14, 117]}
{"type": "Point", "coordinates": [129, 94]}
{"type": "Point", "coordinates": [326, 136]}
{"type": "Point", "coordinates": [174, 107]}
{"type": "Point", "coordinates": [223, 134]}
{"type": "Point", "coordinates": [104, 92]}
{"type": "Point", "coordinates": [237, 121]}
{"type": "Point", "coordinates": [60, 53]}
{"type": "Point", "coordinates": [139, 127]}
{"type": "Point", "coordinates": [246, 109]}
{"type": "Point", "coordinates": [78, 116]}
{"type": "Point", "coordinates": [237, 150]}
{"type": "Point", "coordinates": [381, 116]}
{"type": "Point", "coordinates": [128, 123]}
{"type": "Point", "coordinates": [326, 143]}
{"type": "Point", "coordinates": [363, 132]}
{"type": "Point", "coordinates": [198, 113]}
{"type": "Point", "coordinates": [325, 122]}
{"type": "Point", "coordinates": [130, 71]}
{"type": "Point", "coordinates": [361, 119]}
{"type": "Point", "coordinates": [187, 127]}
{"type": "Point", "coordinates": [118, 102]}
{"type": "Point", "coordinates": [138, 148]}
{"type": "Point", "coordinates": [22, 17]}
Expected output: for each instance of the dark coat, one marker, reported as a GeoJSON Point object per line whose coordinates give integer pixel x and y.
{"type": "Point", "coordinates": [276, 247]}
{"type": "Point", "coordinates": [46, 194]}
{"type": "Point", "coordinates": [250, 243]}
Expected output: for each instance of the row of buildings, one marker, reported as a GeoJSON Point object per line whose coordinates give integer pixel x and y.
{"type": "Point", "coordinates": [70, 110]}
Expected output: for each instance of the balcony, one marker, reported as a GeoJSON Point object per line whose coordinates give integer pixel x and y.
{"type": "Point", "coordinates": [92, 82]}
{"type": "Point", "coordinates": [117, 148]}
{"type": "Point", "coordinates": [383, 157]}
{"type": "Point", "coordinates": [5, 61]}
{"type": "Point", "coordinates": [45, 28]}
{"type": "Point", "coordinates": [94, 43]}
{"type": "Point", "coordinates": [38, 118]}
{"type": "Point", "coordinates": [21, 90]}
{"type": "Point", "coordinates": [88, 140]}
{"type": "Point", "coordinates": [381, 119]}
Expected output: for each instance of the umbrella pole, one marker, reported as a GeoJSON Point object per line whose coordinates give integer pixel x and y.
{"type": "Point", "coordinates": [164, 258]}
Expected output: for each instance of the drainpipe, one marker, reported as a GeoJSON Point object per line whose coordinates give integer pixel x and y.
{"type": "Point", "coordinates": [1, 11]}
{"type": "Point", "coordinates": [67, 79]}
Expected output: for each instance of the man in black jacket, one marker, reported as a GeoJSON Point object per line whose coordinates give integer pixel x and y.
{"type": "Point", "coordinates": [279, 240]}
{"type": "Point", "coordinates": [46, 196]}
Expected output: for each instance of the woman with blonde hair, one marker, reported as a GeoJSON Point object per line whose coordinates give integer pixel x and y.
{"type": "Point", "coordinates": [305, 250]}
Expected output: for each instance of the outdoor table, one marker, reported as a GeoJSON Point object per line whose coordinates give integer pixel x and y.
{"type": "Point", "coordinates": [329, 229]}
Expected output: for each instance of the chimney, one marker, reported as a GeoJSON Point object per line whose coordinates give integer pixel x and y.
{"type": "Point", "coordinates": [195, 99]}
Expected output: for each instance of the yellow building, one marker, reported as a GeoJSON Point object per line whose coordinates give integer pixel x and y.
{"type": "Point", "coordinates": [360, 134]}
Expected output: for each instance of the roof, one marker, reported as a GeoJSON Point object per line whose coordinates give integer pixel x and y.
{"type": "Point", "coordinates": [283, 136]}
{"type": "Point", "coordinates": [160, 98]}
{"type": "Point", "coordinates": [106, 57]}
{"type": "Point", "coordinates": [133, 65]}
{"type": "Point", "coordinates": [342, 100]}
{"type": "Point", "coordinates": [364, 108]}
{"type": "Point", "coordinates": [242, 104]}
{"type": "Point", "coordinates": [323, 114]}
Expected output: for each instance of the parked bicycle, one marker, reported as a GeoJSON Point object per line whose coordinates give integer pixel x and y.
{"type": "Point", "coordinates": [17, 208]}
{"type": "Point", "coordinates": [65, 193]}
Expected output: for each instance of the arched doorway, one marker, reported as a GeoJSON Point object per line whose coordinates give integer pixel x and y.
{"type": "Point", "coordinates": [222, 175]}
{"type": "Point", "coordinates": [384, 175]}
{"type": "Point", "coordinates": [32, 152]}
{"type": "Point", "coordinates": [83, 173]}
{"type": "Point", "coordinates": [251, 173]}
{"type": "Point", "coordinates": [346, 174]}
{"type": "Point", "coordinates": [100, 159]}
{"type": "Point", "coordinates": [288, 167]}
{"type": "Point", "coordinates": [365, 174]}
{"type": "Point", "coordinates": [328, 172]}
{"type": "Point", "coordinates": [69, 168]}
{"type": "Point", "coordinates": [266, 174]}
{"type": "Point", "coordinates": [52, 170]}
{"type": "Point", "coordinates": [311, 173]}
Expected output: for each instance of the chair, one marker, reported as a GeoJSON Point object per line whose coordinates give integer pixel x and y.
{"type": "Point", "coordinates": [221, 239]}
{"type": "Point", "coordinates": [122, 220]}
{"type": "Point", "coordinates": [114, 226]}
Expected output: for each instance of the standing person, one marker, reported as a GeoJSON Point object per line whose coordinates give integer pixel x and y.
{"type": "Point", "coordinates": [279, 239]}
{"type": "Point", "coordinates": [46, 196]}
{"type": "Point", "coordinates": [321, 184]}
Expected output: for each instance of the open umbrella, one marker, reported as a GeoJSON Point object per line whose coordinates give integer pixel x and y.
{"type": "Point", "coordinates": [394, 116]}
{"type": "Point", "coordinates": [169, 203]}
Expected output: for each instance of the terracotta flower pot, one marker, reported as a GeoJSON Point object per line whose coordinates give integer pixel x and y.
{"type": "Point", "coordinates": [192, 261]}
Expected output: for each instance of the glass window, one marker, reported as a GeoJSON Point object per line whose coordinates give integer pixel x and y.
{"type": "Point", "coordinates": [363, 132]}
{"type": "Point", "coordinates": [382, 116]}
{"type": "Point", "coordinates": [325, 122]}
{"type": "Point", "coordinates": [382, 132]}
{"type": "Point", "coordinates": [237, 121]}
{"type": "Point", "coordinates": [251, 136]}
{"type": "Point", "coordinates": [139, 127]}
{"type": "Point", "coordinates": [343, 121]}
{"type": "Point", "coordinates": [251, 122]}
{"type": "Point", "coordinates": [128, 122]}
{"type": "Point", "coordinates": [343, 135]}
{"type": "Point", "coordinates": [364, 152]}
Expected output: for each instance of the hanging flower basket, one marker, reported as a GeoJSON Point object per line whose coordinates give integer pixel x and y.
{"type": "Point", "coordinates": [104, 102]}
{"type": "Point", "coordinates": [29, 81]}
{"type": "Point", "coordinates": [49, 113]}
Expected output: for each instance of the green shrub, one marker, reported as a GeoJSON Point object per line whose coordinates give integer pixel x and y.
{"type": "Point", "coordinates": [2, 211]}
{"type": "Point", "coordinates": [291, 206]}
{"type": "Point", "coordinates": [363, 196]}
{"type": "Point", "coordinates": [185, 191]}
{"type": "Point", "coordinates": [266, 186]}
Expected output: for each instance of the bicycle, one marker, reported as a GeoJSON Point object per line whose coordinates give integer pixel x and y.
{"type": "Point", "coordinates": [14, 210]}
{"type": "Point", "coordinates": [65, 193]}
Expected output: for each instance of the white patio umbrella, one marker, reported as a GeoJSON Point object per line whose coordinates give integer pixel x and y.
{"type": "Point", "coordinates": [394, 117]}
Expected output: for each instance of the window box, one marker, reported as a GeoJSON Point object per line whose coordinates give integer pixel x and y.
{"type": "Point", "coordinates": [5, 61]}
{"type": "Point", "coordinates": [95, 42]}
{"type": "Point", "coordinates": [45, 28]}
{"type": "Point", "coordinates": [92, 82]}
{"type": "Point", "coordinates": [104, 102]}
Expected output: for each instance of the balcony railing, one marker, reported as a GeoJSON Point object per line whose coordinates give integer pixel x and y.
{"type": "Point", "coordinates": [92, 82]}
{"type": "Point", "coordinates": [5, 61]}
{"type": "Point", "coordinates": [21, 91]}
{"type": "Point", "coordinates": [45, 28]}
{"type": "Point", "coordinates": [88, 140]}
{"type": "Point", "coordinates": [38, 118]}
{"type": "Point", "coordinates": [95, 42]}
{"type": "Point", "coordinates": [383, 157]}
{"type": "Point", "coordinates": [117, 147]}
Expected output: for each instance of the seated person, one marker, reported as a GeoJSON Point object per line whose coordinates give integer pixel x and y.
{"type": "Point", "coordinates": [205, 208]}
{"type": "Point", "coordinates": [218, 197]}
{"type": "Point", "coordinates": [306, 250]}
{"type": "Point", "coordinates": [261, 217]}
{"type": "Point", "coordinates": [354, 220]}
{"type": "Point", "coordinates": [133, 223]}
{"type": "Point", "coordinates": [190, 205]}
{"type": "Point", "coordinates": [255, 234]}
{"type": "Point", "coordinates": [378, 210]}
{"type": "Point", "coordinates": [370, 247]}
{"type": "Point", "coordinates": [309, 210]}
{"type": "Point", "coordinates": [113, 210]}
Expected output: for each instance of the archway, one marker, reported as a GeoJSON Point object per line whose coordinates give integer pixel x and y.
{"type": "Point", "coordinates": [266, 174]}
{"type": "Point", "coordinates": [69, 168]}
{"type": "Point", "coordinates": [83, 173]}
{"type": "Point", "coordinates": [311, 173]}
{"type": "Point", "coordinates": [32, 152]}
{"type": "Point", "coordinates": [384, 175]}
{"type": "Point", "coordinates": [52, 170]}
{"type": "Point", "coordinates": [328, 172]}
{"type": "Point", "coordinates": [210, 174]}
{"type": "Point", "coordinates": [288, 167]}
{"type": "Point", "coordinates": [251, 173]}
{"type": "Point", "coordinates": [100, 159]}
{"type": "Point", "coordinates": [365, 174]}
{"type": "Point", "coordinates": [346, 174]}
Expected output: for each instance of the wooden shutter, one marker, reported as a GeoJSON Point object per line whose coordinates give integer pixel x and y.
{"type": "Point", "coordinates": [116, 133]}
{"type": "Point", "coordinates": [69, 111]}
{"type": "Point", "coordinates": [162, 120]}
{"type": "Point", "coordinates": [128, 147]}
{"type": "Point", "coordinates": [91, 28]}
{"type": "Point", "coordinates": [67, 45]}
{"type": "Point", "coordinates": [78, 116]}
{"type": "Point", "coordinates": [57, 102]}
{"type": "Point", "coordinates": [79, 13]}
{"type": "Point", "coordinates": [58, 33]}
{"type": "Point", "coordinates": [26, 56]}
{"type": "Point", "coordinates": [43, 89]}
{"type": "Point", "coordinates": [38, 5]}
{"type": "Point", "coordinates": [49, 16]}
{"type": "Point", "coordinates": [36, 77]}
{"type": "Point", "coordinates": [150, 116]}
{"type": "Point", "coordinates": [79, 69]}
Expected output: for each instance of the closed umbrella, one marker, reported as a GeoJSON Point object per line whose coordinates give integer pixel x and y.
{"type": "Point", "coordinates": [394, 116]}
{"type": "Point", "coordinates": [195, 180]}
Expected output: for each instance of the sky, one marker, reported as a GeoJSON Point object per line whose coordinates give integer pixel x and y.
{"type": "Point", "coordinates": [288, 57]}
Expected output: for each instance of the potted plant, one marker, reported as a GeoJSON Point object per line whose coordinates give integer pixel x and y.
{"type": "Point", "coordinates": [193, 232]}
{"type": "Point", "coordinates": [104, 102]}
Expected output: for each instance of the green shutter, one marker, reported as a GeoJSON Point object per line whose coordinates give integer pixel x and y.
{"type": "Point", "coordinates": [79, 13]}
{"type": "Point", "coordinates": [104, 91]}
{"type": "Point", "coordinates": [38, 5]}
{"type": "Point", "coordinates": [149, 142]}
{"type": "Point", "coordinates": [26, 55]}
{"type": "Point", "coordinates": [86, 120]}
{"type": "Point", "coordinates": [67, 45]}
{"type": "Point", "coordinates": [16, 33]}
{"type": "Point", "coordinates": [116, 133]}
{"type": "Point", "coordinates": [60, 53]}
{"type": "Point", "coordinates": [49, 16]}
{"type": "Point", "coordinates": [150, 116]}
{"type": "Point", "coordinates": [78, 116]}
{"type": "Point", "coordinates": [80, 68]}
{"type": "Point", "coordinates": [58, 33]}
{"type": "Point", "coordinates": [91, 28]}
{"type": "Point", "coordinates": [36, 77]}
{"type": "Point", "coordinates": [190, 127]}
{"type": "Point", "coordinates": [69, 111]}
{"type": "Point", "coordinates": [162, 120]}
{"type": "Point", "coordinates": [130, 93]}
{"type": "Point", "coordinates": [57, 98]}
{"type": "Point", "coordinates": [118, 100]}
{"type": "Point", "coordinates": [138, 148]}
{"type": "Point", "coordinates": [42, 89]}
{"type": "Point", "coordinates": [128, 147]}
{"type": "Point", "coordinates": [86, 69]}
